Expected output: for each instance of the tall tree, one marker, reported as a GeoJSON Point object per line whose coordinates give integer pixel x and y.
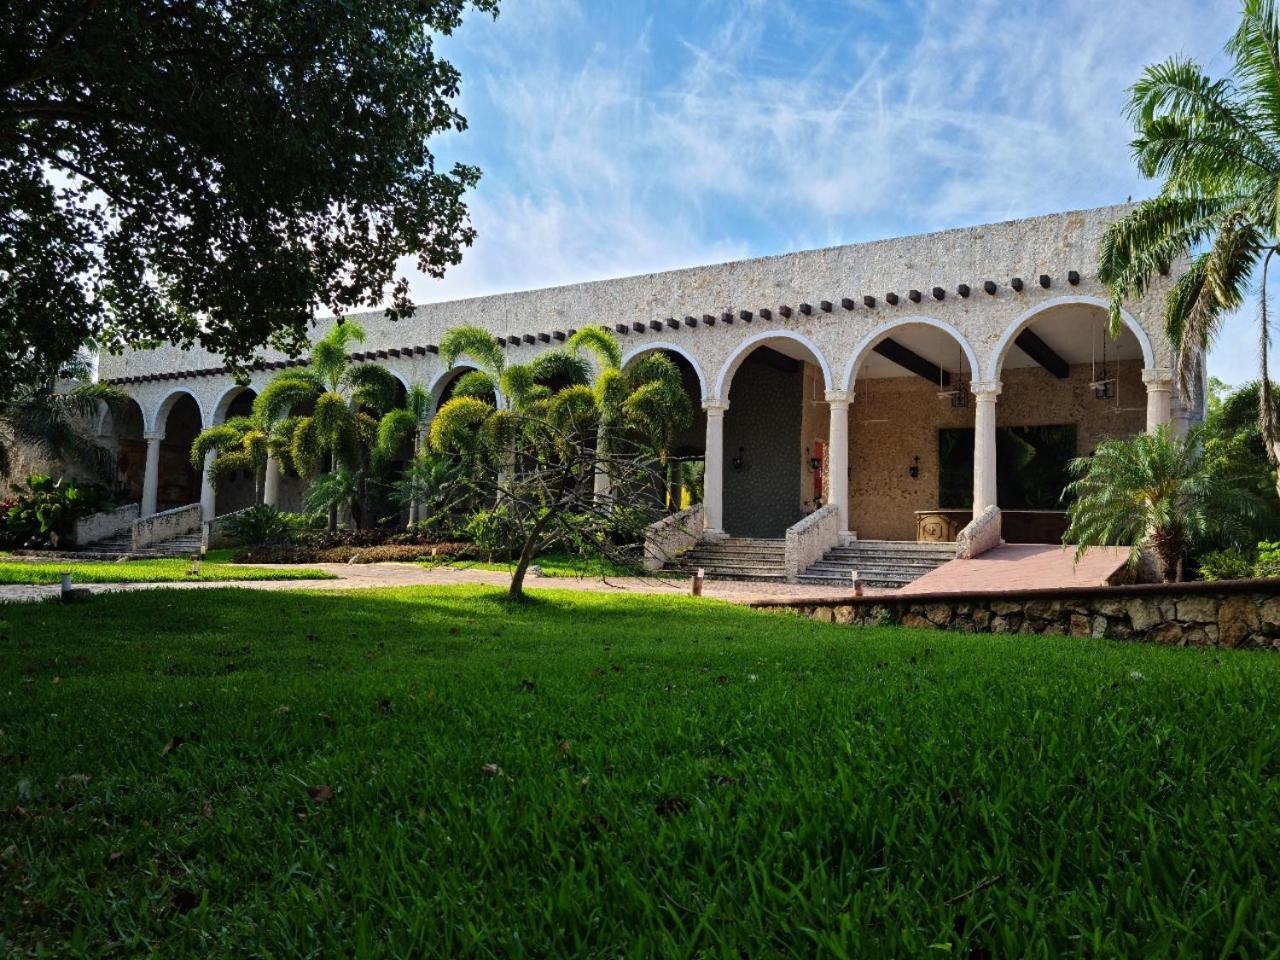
{"type": "Point", "coordinates": [211, 173]}
{"type": "Point", "coordinates": [331, 403]}
{"type": "Point", "coordinates": [1215, 144]}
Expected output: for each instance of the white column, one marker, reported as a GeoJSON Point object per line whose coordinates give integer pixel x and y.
{"type": "Point", "coordinates": [271, 483]}
{"type": "Point", "coordinates": [838, 455]}
{"type": "Point", "coordinates": [713, 474]}
{"type": "Point", "coordinates": [151, 479]}
{"type": "Point", "coordinates": [1159, 381]}
{"type": "Point", "coordinates": [208, 496]}
{"type": "Point", "coordinates": [1181, 419]}
{"type": "Point", "coordinates": [984, 444]}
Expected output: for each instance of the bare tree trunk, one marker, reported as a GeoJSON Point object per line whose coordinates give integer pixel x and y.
{"type": "Point", "coordinates": [1267, 424]}
{"type": "Point", "coordinates": [332, 524]}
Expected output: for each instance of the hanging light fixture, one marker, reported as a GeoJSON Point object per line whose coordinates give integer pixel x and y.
{"type": "Point", "coordinates": [958, 395]}
{"type": "Point", "coordinates": [1103, 385]}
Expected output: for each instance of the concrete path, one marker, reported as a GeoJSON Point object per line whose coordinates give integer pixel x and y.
{"type": "Point", "coordinates": [1023, 567]}
{"type": "Point", "coordinates": [358, 576]}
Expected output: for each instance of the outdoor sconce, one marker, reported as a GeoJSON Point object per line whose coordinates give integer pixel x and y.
{"type": "Point", "coordinates": [1102, 390]}
{"type": "Point", "coordinates": [737, 461]}
{"type": "Point", "coordinates": [815, 463]}
{"type": "Point", "coordinates": [914, 469]}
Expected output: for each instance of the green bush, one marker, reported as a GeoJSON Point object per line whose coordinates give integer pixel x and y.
{"type": "Point", "coordinates": [1232, 563]}
{"type": "Point", "coordinates": [265, 524]}
{"type": "Point", "coordinates": [492, 531]}
{"type": "Point", "coordinates": [45, 512]}
{"type": "Point", "coordinates": [1268, 562]}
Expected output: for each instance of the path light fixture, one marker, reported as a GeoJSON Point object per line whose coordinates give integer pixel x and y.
{"type": "Point", "coordinates": [914, 469]}
{"type": "Point", "coordinates": [738, 462]}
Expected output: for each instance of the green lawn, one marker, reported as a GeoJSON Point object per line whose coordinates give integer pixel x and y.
{"type": "Point", "coordinates": [560, 564]}
{"type": "Point", "coordinates": [215, 567]}
{"type": "Point", "coordinates": [430, 772]}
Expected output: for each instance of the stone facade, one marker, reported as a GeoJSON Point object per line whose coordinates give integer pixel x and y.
{"type": "Point", "coordinates": [828, 309]}
{"type": "Point", "coordinates": [1227, 614]}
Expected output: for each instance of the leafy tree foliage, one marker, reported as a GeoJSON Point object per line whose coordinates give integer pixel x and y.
{"type": "Point", "coordinates": [1157, 491]}
{"type": "Point", "coordinates": [212, 173]}
{"type": "Point", "coordinates": [536, 457]}
{"type": "Point", "coordinates": [329, 407]}
{"type": "Point", "coordinates": [1215, 144]}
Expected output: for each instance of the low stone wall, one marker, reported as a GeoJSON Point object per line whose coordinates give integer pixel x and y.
{"type": "Point", "coordinates": [1235, 613]}
{"type": "Point", "coordinates": [215, 535]}
{"type": "Point", "coordinates": [810, 539]}
{"type": "Point", "coordinates": [166, 525]}
{"type": "Point", "coordinates": [671, 536]}
{"type": "Point", "coordinates": [103, 525]}
{"type": "Point", "coordinates": [979, 535]}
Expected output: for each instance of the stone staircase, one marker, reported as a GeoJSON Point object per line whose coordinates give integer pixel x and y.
{"type": "Point", "coordinates": [737, 558]}
{"type": "Point", "coordinates": [880, 563]}
{"type": "Point", "coordinates": [186, 545]}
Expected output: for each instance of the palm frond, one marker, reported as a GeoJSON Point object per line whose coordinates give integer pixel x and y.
{"type": "Point", "coordinates": [372, 386]}
{"type": "Point", "coordinates": [601, 343]}
{"type": "Point", "coordinates": [475, 342]}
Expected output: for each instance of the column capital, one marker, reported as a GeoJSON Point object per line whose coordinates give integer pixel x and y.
{"type": "Point", "coordinates": [715, 407]}
{"type": "Point", "coordinates": [839, 396]}
{"type": "Point", "coordinates": [1158, 377]}
{"type": "Point", "coordinates": [986, 389]}
{"type": "Point", "coordinates": [153, 435]}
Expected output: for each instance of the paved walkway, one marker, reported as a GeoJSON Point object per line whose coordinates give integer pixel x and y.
{"type": "Point", "coordinates": [358, 576]}
{"type": "Point", "coordinates": [1023, 566]}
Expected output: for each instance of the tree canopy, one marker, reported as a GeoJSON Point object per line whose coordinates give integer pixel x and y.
{"type": "Point", "coordinates": [210, 173]}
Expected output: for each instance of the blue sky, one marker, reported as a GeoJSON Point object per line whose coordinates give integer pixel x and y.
{"type": "Point", "coordinates": [620, 138]}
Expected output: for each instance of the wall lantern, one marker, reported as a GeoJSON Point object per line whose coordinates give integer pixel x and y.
{"type": "Point", "coordinates": [815, 463]}
{"type": "Point", "coordinates": [737, 462]}
{"type": "Point", "coordinates": [914, 469]}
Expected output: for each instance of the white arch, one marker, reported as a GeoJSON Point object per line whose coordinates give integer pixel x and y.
{"type": "Point", "coordinates": [161, 414]}
{"type": "Point", "coordinates": [228, 397]}
{"type": "Point", "coordinates": [735, 359]}
{"type": "Point", "coordinates": [879, 333]}
{"type": "Point", "coordinates": [107, 418]}
{"type": "Point", "coordinates": [445, 377]}
{"type": "Point", "coordinates": [644, 348]}
{"type": "Point", "coordinates": [1028, 317]}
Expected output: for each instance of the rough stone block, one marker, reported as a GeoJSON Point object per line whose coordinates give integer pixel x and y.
{"type": "Point", "coordinates": [913, 619]}
{"type": "Point", "coordinates": [939, 613]}
{"type": "Point", "coordinates": [1043, 609]}
{"type": "Point", "coordinates": [1170, 634]}
{"type": "Point", "coordinates": [1143, 614]}
{"type": "Point", "coordinates": [1238, 618]}
{"type": "Point", "coordinates": [823, 615]}
{"type": "Point", "coordinates": [1269, 611]}
{"type": "Point", "coordinates": [844, 614]}
{"type": "Point", "coordinates": [1005, 607]}
{"type": "Point", "coordinates": [1080, 626]}
{"type": "Point", "coordinates": [1198, 609]}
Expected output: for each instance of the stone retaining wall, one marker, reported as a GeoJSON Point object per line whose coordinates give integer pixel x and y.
{"type": "Point", "coordinates": [166, 525]}
{"type": "Point", "coordinates": [671, 536]}
{"type": "Point", "coordinates": [809, 540]}
{"type": "Point", "coordinates": [1239, 613]}
{"type": "Point", "coordinates": [103, 526]}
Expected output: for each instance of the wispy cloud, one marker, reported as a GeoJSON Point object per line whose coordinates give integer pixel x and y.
{"type": "Point", "coordinates": [618, 140]}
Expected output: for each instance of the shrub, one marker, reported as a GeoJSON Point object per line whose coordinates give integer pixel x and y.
{"type": "Point", "coordinates": [492, 532]}
{"type": "Point", "coordinates": [264, 524]}
{"type": "Point", "coordinates": [1268, 562]}
{"type": "Point", "coordinates": [45, 512]}
{"type": "Point", "coordinates": [1229, 564]}
{"type": "Point", "coordinates": [304, 552]}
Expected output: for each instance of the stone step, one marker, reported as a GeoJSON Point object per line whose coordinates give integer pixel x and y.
{"type": "Point", "coordinates": [906, 566]}
{"type": "Point", "coordinates": [758, 556]}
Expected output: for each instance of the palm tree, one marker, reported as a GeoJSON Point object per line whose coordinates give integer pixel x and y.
{"type": "Point", "coordinates": [55, 424]}
{"type": "Point", "coordinates": [342, 396]}
{"type": "Point", "coordinates": [240, 443]}
{"type": "Point", "coordinates": [1156, 491]}
{"type": "Point", "coordinates": [1216, 146]}
{"type": "Point", "coordinates": [405, 424]}
{"type": "Point", "coordinates": [647, 399]}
